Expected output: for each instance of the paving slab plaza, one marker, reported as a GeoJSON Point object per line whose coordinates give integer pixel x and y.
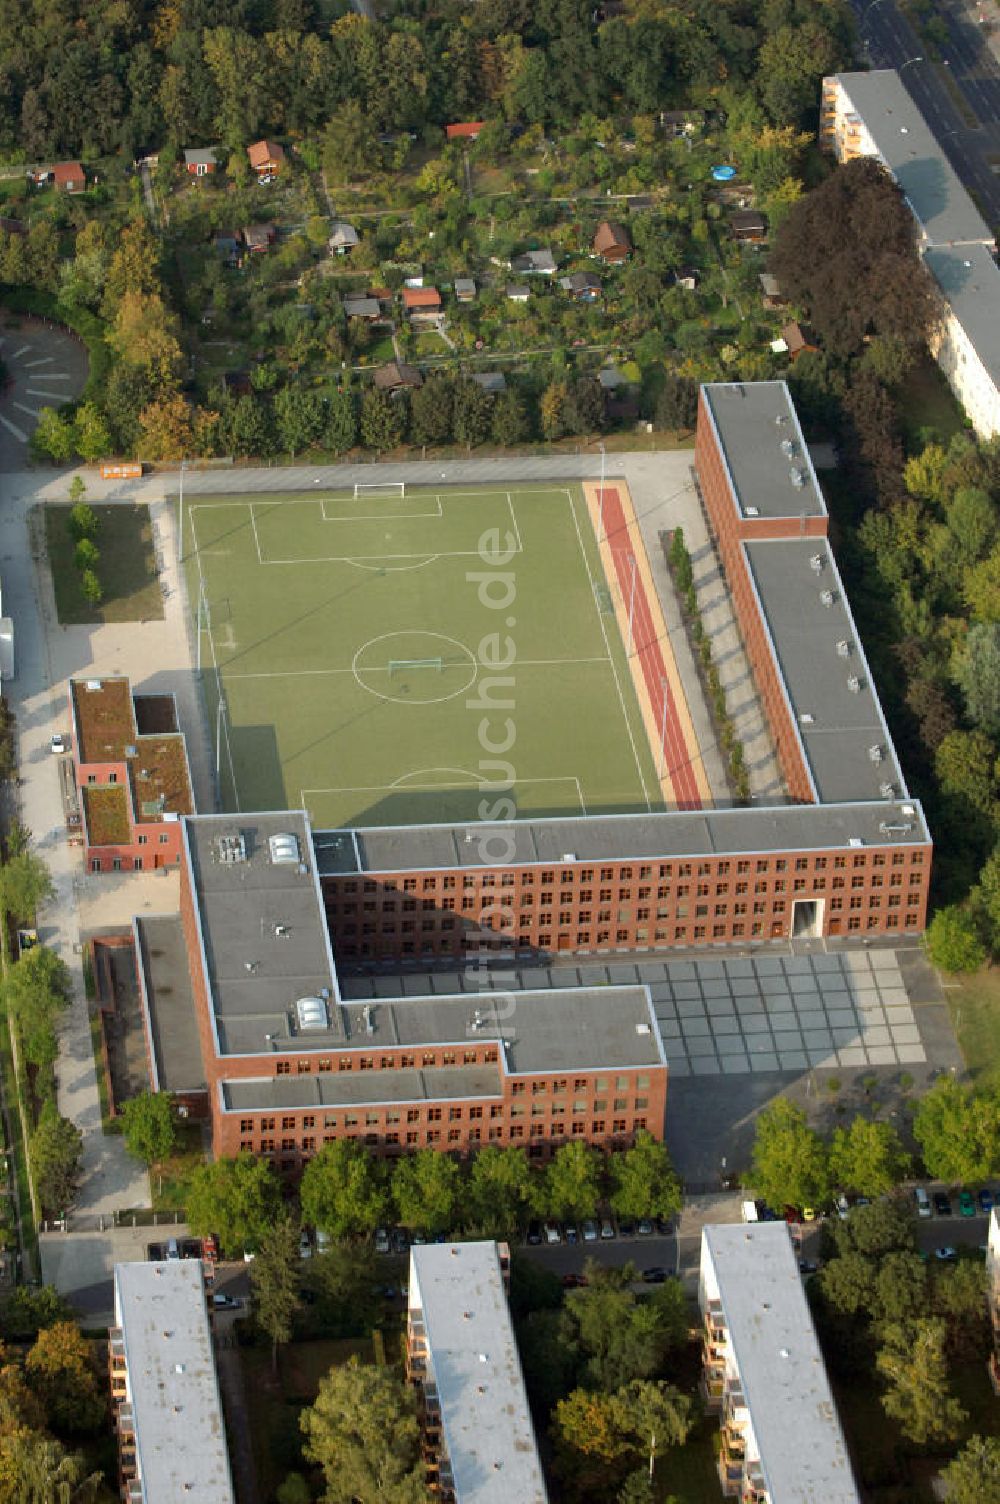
{"type": "Point", "coordinates": [733, 1016]}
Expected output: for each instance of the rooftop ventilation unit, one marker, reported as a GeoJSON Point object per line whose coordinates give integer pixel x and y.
{"type": "Point", "coordinates": [284, 848]}
{"type": "Point", "coordinates": [787, 447]}
{"type": "Point", "coordinates": [231, 849]}
{"type": "Point", "coordinates": [816, 563]}
{"type": "Point", "coordinates": [826, 596]}
{"type": "Point", "coordinates": [780, 418]}
{"type": "Point", "coordinates": [854, 684]}
{"type": "Point", "coordinates": [843, 648]}
{"type": "Point", "coordinates": [887, 790]}
{"type": "Point", "coordinates": [797, 477]}
{"type": "Point", "coordinates": [894, 830]}
{"type": "Point", "coordinates": [310, 1014]}
{"type": "Point", "coordinates": [907, 809]}
{"type": "Point", "coordinates": [131, 751]}
{"type": "Point", "coordinates": [875, 753]}
{"type": "Point", "coordinates": [855, 841]}
{"type": "Point", "coordinates": [569, 856]}
{"type": "Point", "coordinates": [93, 686]}
{"type": "Point", "coordinates": [368, 1014]}
{"type": "Point", "coordinates": [806, 718]}
{"type": "Point", "coordinates": [752, 511]}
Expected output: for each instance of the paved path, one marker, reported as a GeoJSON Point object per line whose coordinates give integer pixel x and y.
{"type": "Point", "coordinates": [47, 654]}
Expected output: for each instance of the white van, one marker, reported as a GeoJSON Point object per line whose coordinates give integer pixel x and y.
{"type": "Point", "coordinates": [749, 1210]}
{"type": "Point", "coordinates": [923, 1201]}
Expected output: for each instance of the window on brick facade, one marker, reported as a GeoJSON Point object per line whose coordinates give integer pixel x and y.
{"type": "Point", "coordinates": [283, 1068]}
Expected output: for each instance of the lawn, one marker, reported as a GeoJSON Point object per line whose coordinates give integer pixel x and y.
{"type": "Point", "coordinates": [927, 402]}
{"type": "Point", "coordinates": [351, 639]}
{"type": "Point", "coordinates": [974, 1003]}
{"type": "Point", "coordinates": [276, 1401]}
{"type": "Point", "coordinates": [169, 1181]}
{"type": "Point", "coordinates": [126, 569]}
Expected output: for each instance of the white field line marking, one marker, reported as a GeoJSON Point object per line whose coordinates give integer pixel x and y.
{"type": "Point", "coordinates": [18, 353]}
{"type": "Point", "coordinates": [12, 428]}
{"type": "Point", "coordinates": [607, 644]}
{"type": "Point", "coordinates": [474, 782]}
{"type": "Point", "coordinates": [215, 661]}
{"type": "Point", "coordinates": [43, 360]}
{"type": "Point", "coordinates": [50, 376]}
{"type": "Point", "coordinates": [33, 412]}
{"type": "Point", "coordinates": [305, 673]}
{"type": "Point", "coordinates": [32, 391]}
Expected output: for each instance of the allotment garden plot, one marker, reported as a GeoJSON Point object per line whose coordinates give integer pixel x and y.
{"type": "Point", "coordinates": [348, 645]}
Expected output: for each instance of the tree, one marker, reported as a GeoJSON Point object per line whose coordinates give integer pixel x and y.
{"type": "Point", "coordinates": [92, 438]}
{"type": "Point", "coordinates": [149, 1127]}
{"type": "Point", "coordinates": [900, 1287]}
{"type": "Point", "coordinates": [618, 1337]}
{"type": "Point", "coordinates": [60, 1369]}
{"type": "Point", "coordinates": [343, 1190]}
{"type": "Point", "coordinates": [363, 1432]}
{"type": "Point", "coordinates": [584, 411]}
{"type": "Point", "coordinates": [572, 1183]}
{"type": "Point", "coordinates": [91, 588]}
{"type": "Point", "coordinates": [848, 1284]}
{"type": "Point", "coordinates": [501, 1190]}
{"type": "Point", "coordinates": [510, 420]}
{"type": "Point", "coordinates": [300, 417]}
{"type": "Point", "coordinates": [144, 333]}
{"type": "Point", "coordinates": [912, 1363]}
{"type": "Point", "coordinates": [86, 555]}
{"type": "Point", "coordinates": [53, 438]}
{"type": "Point", "coordinates": [965, 764]}
{"type": "Point", "coordinates": [35, 992]}
{"type": "Point", "coordinates": [249, 428]}
{"type": "Point", "coordinates": [34, 1469]}
{"type": "Point", "coordinates": [472, 412]}
{"type": "Point", "coordinates": [677, 403]}
{"type": "Point", "coordinates": [552, 410]}
{"type": "Point", "coordinates": [383, 420]}
{"type": "Point", "coordinates": [656, 1416]}
{"type": "Point", "coordinates": [867, 1158]}
{"type": "Point", "coordinates": [56, 1161]}
{"type": "Point", "coordinates": [341, 423]}
{"type": "Point", "coordinates": [238, 1199]}
{"type": "Point", "coordinates": [431, 411]}
{"type": "Point", "coordinates": [164, 428]}
{"type": "Point", "coordinates": [643, 1182]}
{"type": "Point", "coordinates": [960, 1299]}
{"type": "Point", "coordinates": [981, 586]}
{"type": "Point", "coordinates": [846, 253]}
{"type": "Point", "coordinates": [974, 1476]}
{"type": "Point", "coordinates": [952, 940]}
{"type": "Point", "coordinates": [789, 1158]}
{"type": "Point", "coordinates": [30, 1309]}
{"type": "Point", "coordinates": [425, 1188]}
{"type": "Point", "coordinates": [885, 1226]}
{"type": "Point", "coordinates": [275, 1279]}
{"type": "Point", "coordinates": [979, 675]}
{"type": "Point", "coordinates": [958, 1131]}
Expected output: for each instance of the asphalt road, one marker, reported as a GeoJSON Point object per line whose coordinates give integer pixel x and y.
{"type": "Point", "coordinates": [890, 42]}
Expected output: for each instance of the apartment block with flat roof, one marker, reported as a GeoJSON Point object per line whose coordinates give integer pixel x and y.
{"type": "Point", "coordinates": [171, 1433]}
{"type": "Point", "coordinates": [479, 1442]}
{"type": "Point", "coordinates": [763, 1372]}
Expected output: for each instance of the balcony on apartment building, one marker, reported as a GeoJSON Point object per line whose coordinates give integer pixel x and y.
{"type": "Point", "coordinates": [754, 1486]}
{"type": "Point", "coordinates": [732, 1459]}
{"type": "Point", "coordinates": [117, 1367]}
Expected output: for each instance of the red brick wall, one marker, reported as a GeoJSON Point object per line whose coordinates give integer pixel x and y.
{"type": "Point", "coordinates": [537, 1113]}
{"type": "Point", "coordinates": [625, 906]}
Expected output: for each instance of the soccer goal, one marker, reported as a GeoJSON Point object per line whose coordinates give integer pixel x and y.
{"type": "Point", "coordinates": [387, 488]}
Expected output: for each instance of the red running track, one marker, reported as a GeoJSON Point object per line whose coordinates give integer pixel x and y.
{"type": "Point", "coordinates": [646, 646]}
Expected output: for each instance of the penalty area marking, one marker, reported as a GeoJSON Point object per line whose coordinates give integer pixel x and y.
{"type": "Point", "coordinates": [375, 561]}
{"type": "Point", "coordinates": [474, 781]}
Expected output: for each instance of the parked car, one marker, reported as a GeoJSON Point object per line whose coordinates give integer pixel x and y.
{"type": "Point", "coordinates": [590, 1231]}
{"type": "Point", "coordinates": [399, 1241]}
{"type": "Point", "coordinates": [946, 1254]}
{"type": "Point", "coordinates": [843, 1207]}
{"type": "Point", "coordinates": [809, 1214]}
{"type": "Point", "coordinates": [58, 744]}
{"type": "Point", "coordinates": [664, 1227]}
{"type": "Point", "coordinates": [552, 1232]}
{"type": "Point", "coordinates": [227, 1303]}
{"type": "Point", "coordinates": [656, 1275]}
{"type": "Point", "coordinates": [923, 1201]}
{"type": "Point", "coordinates": [574, 1281]}
{"type": "Point", "coordinates": [534, 1233]}
{"type": "Point", "coordinates": [323, 1240]}
{"type": "Point", "coordinates": [210, 1247]}
{"type": "Point", "coordinates": [626, 1227]}
{"type": "Point", "coordinates": [792, 1215]}
{"type": "Point", "coordinates": [966, 1204]}
{"type": "Point", "coordinates": [382, 1244]}
{"type": "Point", "coordinates": [607, 1229]}
{"type": "Point", "coordinates": [571, 1233]}
{"type": "Point", "coordinates": [644, 1227]}
{"type": "Point", "coordinates": [941, 1204]}
{"type": "Point", "coordinates": [305, 1245]}
{"type": "Point", "coordinates": [418, 1237]}
{"type": "Point", "coordinates": [808, 1266]}
{"type": "Point", "coordinates": [985, 1201]}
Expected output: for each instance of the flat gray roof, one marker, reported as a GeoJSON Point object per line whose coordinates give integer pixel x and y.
{"type": "Point", "coordinates": [667, 835]}
{"type": "Point", "coordinates": [263, 927]}
{"type": "Point", "coordinates": [759, 435]}
{"type": "Point", "coordinates": [970, 280]}
{"type": "Point", "coordinates": [802, 1450]}
{"type": "Point", "coordinates": [179, 1431]}
{"type": "Point", "coordinates": [166, 989]}
{"type": "Point", "coordinates": [362, 1088]}
{"type": "Point", "coordinates": [838, 725]}
{"type": "Point", "coordinates": [587, 1029]}
{"type": "Point", "coordinates": [474, 1365]}
{"type": "Point", "coordinates": [583, 1027]}
{"type": "Point", "coordinates": [910, 150]}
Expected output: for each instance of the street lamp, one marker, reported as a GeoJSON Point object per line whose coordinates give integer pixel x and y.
{"type": "Point", "coordinates": [219, 713]}
{"type": "Point", "coordinates": [180, 523]}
